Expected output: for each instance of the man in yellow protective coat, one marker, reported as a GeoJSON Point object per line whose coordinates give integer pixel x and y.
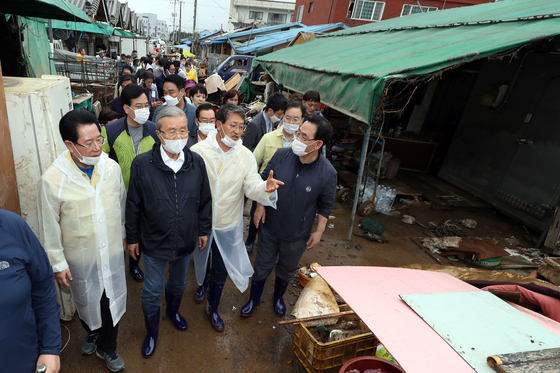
{"type": "Point", "coordinates": [232, 172]}
{"type": "Point", "coordinates": [81, 206]}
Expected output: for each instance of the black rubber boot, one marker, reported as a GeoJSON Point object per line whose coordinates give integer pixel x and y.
{"type": "Point", "coordinates": [215, 289]}
{"type": "Point", "coordinates": [280, 287]}
{"type": "Point", "coordinates": [257, 287]}
{"type": "Point", "coordinates": [152, 328]}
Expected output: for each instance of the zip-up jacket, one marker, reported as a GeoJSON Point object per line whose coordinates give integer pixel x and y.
{"type": "Point", "coordinates": [308, 189]}
{"type": "Point", "coordinates": [119, 146]}
{"type": "Point", "coordinates": [168, 211]}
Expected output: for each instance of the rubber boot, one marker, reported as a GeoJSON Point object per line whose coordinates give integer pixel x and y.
{"type": "Point", "coordinates": [257, 287]}
{"type": "Point", "coordinates": [135, 270]}
{"type": "Point", "coordinates": [152, 328]}
{"type": "Point", "coordinates": [172, 309]}
{"type": "Point", "coordinates": [280, 287]}
{"type": "Point", "coordinates": [200, 293]}
{"type": "Point", "coordinates": [212, 302]}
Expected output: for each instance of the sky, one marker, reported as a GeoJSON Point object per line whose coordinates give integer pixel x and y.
{"type": "Point", "coordinates": [211, 14]}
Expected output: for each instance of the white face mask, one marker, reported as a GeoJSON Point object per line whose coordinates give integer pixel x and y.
{"type": "Point", "coordinates": [173, 101]}
{"type": "Point", "coordinates": [175, 146]}
{"type": "Point", "coordinates": [141, 115]}
{"type": "Point", "coordinates": [290, 128]}
{"type": "Point", "coordinates": [229, 142]}
{"type": "Point", "coordinates": [274, 119]}
{"type": "Point", "coordinates": [90, 161]}
{"type": "Point", "coordinates": [299, 148]}
{"type": "Point", "coordinates": [205, 128]}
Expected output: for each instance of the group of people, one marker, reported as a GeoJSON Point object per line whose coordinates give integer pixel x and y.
{"type": "Point", "coordinates": [170, 189]}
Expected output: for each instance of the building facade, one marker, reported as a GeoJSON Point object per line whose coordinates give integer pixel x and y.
{"type": "Point", "coordinates": [259, 12]}
{"type": "Point", "coordinates": [150, 22]}
{"type": "Point", "coordinates": [358, 12]}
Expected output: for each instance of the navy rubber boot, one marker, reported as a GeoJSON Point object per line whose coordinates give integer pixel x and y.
{"type": "Point", "coordinates": [152, 328]}
{"type": "Point", "coordinates": [257, 287]}
{"type": "Point", "coordinates": [200, 293]}
{"type": "Point", "coordinates": [280, 287]}
{"type": "Point", "coordinates": [172, 309]}
{"type": "Point", "coordinates": [215, 289]}
{"type": "Point", "coordinates": [135, 270]}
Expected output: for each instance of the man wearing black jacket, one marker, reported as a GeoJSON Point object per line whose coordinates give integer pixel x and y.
{"type": "Point", "coordinates": [309, 189]}
{"type": "Point", "coordinates": [169, 197]}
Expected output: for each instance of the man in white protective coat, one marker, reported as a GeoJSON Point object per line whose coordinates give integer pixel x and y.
{"type": "Point", "coordinates": [232, 172]}
{"type": "Point", "coordinates": [81, 205]}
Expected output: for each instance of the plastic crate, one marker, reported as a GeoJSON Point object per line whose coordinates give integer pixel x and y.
{"type": "Point", "coordinates": [329, 357]}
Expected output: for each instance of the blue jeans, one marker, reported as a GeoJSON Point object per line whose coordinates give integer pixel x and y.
{"type": "Point", "coordinates": [154, 279]}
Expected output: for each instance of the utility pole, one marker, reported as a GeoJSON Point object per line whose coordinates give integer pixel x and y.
{"type": "Point", "coordinates": [180, 13]}
{"type": "Point", "coordinates": [194, 21]}
{"type": "Point", "coordinates": [174, 16]}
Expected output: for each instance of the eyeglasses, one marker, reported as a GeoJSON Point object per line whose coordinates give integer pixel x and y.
{"type": "Point", "coordinates": [233, 128]}
{"type": "Point", "coordinates": [140, 106]}
{"type": "Point", "coordinates": [290, 120]}
{"type": "Point", "coordinates": [299, 137]}
{"type": "Point", "coordinates": [279, 115]}
{"type": "Point", "coordinates": [173, 134]}
{"type": "Point", "coordinates": [100, 142]}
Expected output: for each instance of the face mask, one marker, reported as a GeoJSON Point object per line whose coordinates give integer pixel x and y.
{"type": "Point", "coordinates": [290, 128]}
{"type": "Point", "coordinates": [90, 161]}
{"type": "Point", "coordinates": [141, 115]}
{"type": "Point", "coordinates": [299, 148]}
{"type": "Point", "coordinates": [173, 101]}
{"type": "Point", "coordinates": [229, 142]}
{"type": "Point", "coordinates": [160, 68]}
{"type": "Point", "coordinates": [274, 119]}
{"type": "Point", "coordinates": [175, 146]}
{"type": "Point", "coordinates": [205, 128]}
{"type": "Point", "coordinates": [183, 65]}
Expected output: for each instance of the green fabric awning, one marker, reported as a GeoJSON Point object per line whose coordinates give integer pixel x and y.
{"type": "Point", "coordinates": [119, 32]}
{"type": "Point", "coordinates": [48, 9]}
{"type": "Point", "coordinates": [82, 27]}
{"type": "Point", "coordinates": [350, 68]}
{"type": "Point", "coordinates": [107, 29]}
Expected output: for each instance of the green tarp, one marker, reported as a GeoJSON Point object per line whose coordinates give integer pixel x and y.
{"type": "Point", "coordinates": [350, 68]}
{"type": "Point", "coordinates": [119, 32]}
{"type": "Point", "coordinates": [48, 9]}
{"type": "Point", "coordinates": [82, 27]}
{"type": "Point", "coordinates": [36, 47]}
{"type": "Point", "coordinates": [107, 29]}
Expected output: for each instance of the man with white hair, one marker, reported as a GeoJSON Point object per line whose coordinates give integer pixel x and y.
{"type": "Point", "coordinates": [169, 199]}
{"type": "Point", "coordinates": [232, 172]}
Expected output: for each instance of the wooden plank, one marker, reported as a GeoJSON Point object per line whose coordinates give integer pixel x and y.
{"type": "Point", "coordinates": [478, 325]}
{"type": "Point", "coordinates": [9, 197]}
{"type": "Point", "coordinates": [553, 238]}
{"type": "Point", "coordinates": [232, 82]}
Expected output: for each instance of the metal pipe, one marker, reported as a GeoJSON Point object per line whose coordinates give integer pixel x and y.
{"type": "Point", "coordinates": [359, 181]}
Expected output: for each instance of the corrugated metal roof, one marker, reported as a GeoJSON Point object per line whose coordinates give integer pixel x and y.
{"type": "Point", "coordinates": [267, 41]}
{"type": "Point", "coordinates": [114, 10]}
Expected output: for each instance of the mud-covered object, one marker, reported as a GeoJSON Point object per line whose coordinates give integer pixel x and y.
{"type": "Point", "coordinates": [372, 226]}
{"type": "Point", "coordinates": [316, 299]}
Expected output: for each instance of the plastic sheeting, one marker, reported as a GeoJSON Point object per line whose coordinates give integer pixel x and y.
{"type": "Point", "coordinates": [350, 68]}
{"type": "Point", "coordinates": [36, 47]}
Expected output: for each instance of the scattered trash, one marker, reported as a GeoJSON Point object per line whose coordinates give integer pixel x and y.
{"type": "Point", "coordinates": [372, 237]}
{"type": "Point", "coordinates": [512, 241]}
{"type": "Point", "coordinates": [408, 219]}
{"type": "Point", "coordinates": [332, 217]}
{"type": "Point", "coordinates": [273, 327]}
{"type": "Point", "coordinates": [469, 223]}
{"type": "Point", "coordinates": [444, 229]}
{"type": "Point", "coordinates": [259, 322]}
{"type": "Point", "coordinates": [234, 308]}
{"type": "Point", "coordinates": [373, 230]}
{"type": "Point", "coordinates": [330, 225]}
{"type": "Point", "coordinates": [394, 213]}
{"type": "Point", "coordinates": [384, 198]}
{"type": "Point", "coordinates": [435, 244]}
{"type": "Point", "coordinates": [382, 353]}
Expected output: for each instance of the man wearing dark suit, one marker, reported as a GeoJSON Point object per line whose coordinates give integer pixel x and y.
{"type": "Point", "coordinates": [266, 121]}
{"type": "Point", "coordinates": [169, 69]}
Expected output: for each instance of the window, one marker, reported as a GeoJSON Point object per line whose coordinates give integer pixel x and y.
{"type": "Point", "coordinates": [300, 13]}
{"type": "Point", "coordinates": [310, 7]}
{"type": "Point", "coordinates": [276, 18]}
{"type": "Point", "coordinates": [255, 15]}
{"type": "Point", "coordinates": [368, 10]}
{"type": "Point", "coordinates": [413, 9]}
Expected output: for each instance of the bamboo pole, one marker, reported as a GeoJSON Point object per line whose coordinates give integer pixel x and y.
{"type": "Point", "coordinates": [319, 317]}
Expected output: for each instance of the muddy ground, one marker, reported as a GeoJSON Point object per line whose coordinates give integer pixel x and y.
{"type": "Point", "coordinates": [259, 344]}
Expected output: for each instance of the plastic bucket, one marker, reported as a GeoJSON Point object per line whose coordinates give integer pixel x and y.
{"type": "Point", "coordinates": [369, 362]}
{"type": "Point", "coordinates": [303, 279]}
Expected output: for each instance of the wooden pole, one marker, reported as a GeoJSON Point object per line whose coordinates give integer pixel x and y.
{"type": "Point", "coordinates": [9, 197]}
{"type": "Point", "coordinates": [319, 317]}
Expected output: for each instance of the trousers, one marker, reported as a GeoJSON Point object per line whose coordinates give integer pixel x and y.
{"type": "Point", "coordinates": [107, 340]}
